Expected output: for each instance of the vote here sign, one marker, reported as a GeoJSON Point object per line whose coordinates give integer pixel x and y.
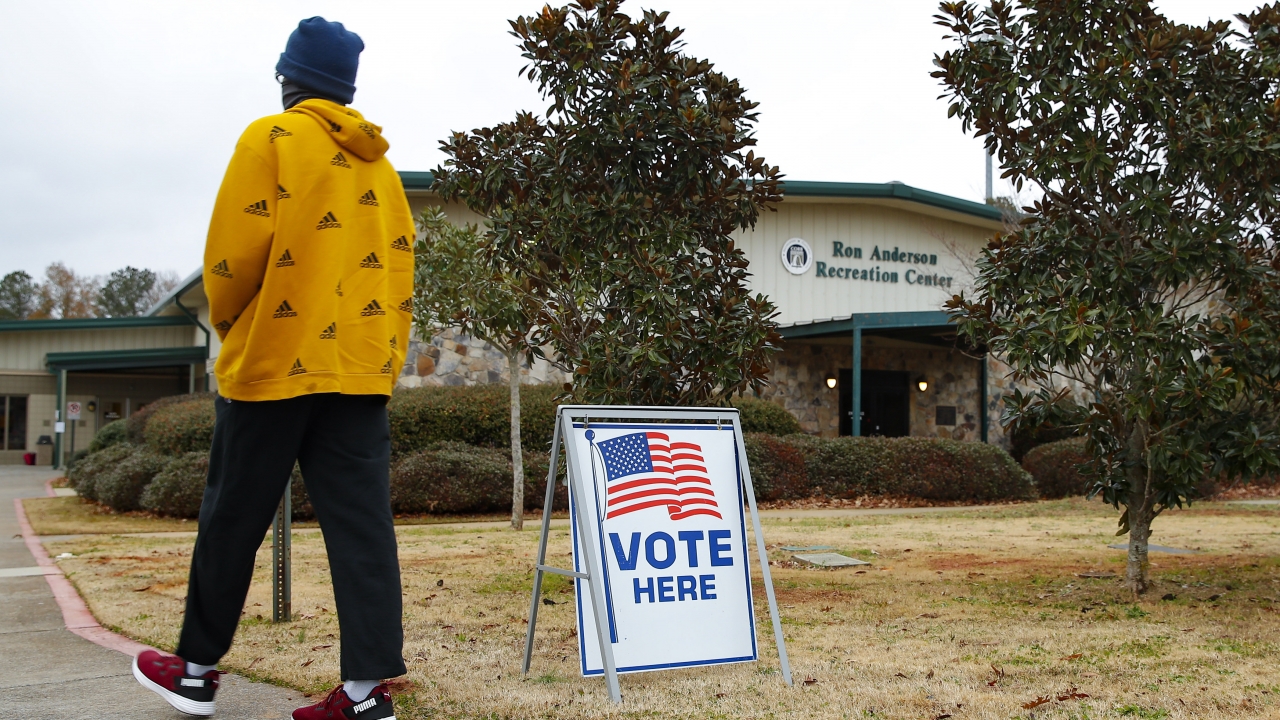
{"type": "Point", "coordinates": [665, 512]}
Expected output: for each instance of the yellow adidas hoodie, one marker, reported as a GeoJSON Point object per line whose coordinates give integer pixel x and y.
{"type": "Point", "coordinates": [309, 262]}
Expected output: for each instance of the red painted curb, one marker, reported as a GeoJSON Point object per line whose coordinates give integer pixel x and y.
{"type": "Point", "coordinates": [48, 488]}
{"type": "Point", "coordinates": [75, 614]}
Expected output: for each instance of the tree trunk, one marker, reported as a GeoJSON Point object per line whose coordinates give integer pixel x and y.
{"type": "Point", "coordinates": [517, 455]}
{"type": "Point", "coordinates": [1141, 513]}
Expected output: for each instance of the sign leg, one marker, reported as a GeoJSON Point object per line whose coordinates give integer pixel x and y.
{"type": "Point", "coordinates": [281, 550]}
{"type": "Point", "coordinates": [763, 555]}
{"type": "Point", "coordinates": [595, 583]}
{"type": "Point", "coordinates": [542, 549]}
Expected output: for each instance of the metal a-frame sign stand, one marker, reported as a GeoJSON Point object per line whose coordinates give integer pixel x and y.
{"type": "Point", "coordinates": [566, 416]}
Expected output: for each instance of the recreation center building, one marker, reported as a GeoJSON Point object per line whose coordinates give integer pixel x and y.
{"type": "Point", "coordinates": [859, 273]}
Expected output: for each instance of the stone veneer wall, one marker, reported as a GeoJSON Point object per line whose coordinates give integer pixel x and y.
{"type": "Point", "coordinates": [798, 383]}
{"type": "Point", "coordinates": [452, 358]}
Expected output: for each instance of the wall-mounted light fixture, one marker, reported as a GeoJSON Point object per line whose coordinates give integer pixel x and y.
{"type": "Point", "coordinates": [922, 384]}
{"type": "Point", "coordinates": [92, 406]}
{"type": "Point", "coordinates": [831, 381]}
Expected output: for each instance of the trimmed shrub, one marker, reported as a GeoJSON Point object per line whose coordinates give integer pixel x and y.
{"type": "Point", "coordinates": [455, 477]}
{"type": "Point", "coordinates": [477, 415]}
{"type": "Point", "coordinates": [182, 427]}
{"type": "Point", "coordinates": [451, 478]}
{"type": "Point", "coordinates": [136, 425]}
{"type": "Point", "coordinates": [800, 466]}
{"type": "Point", "coordinates": [764, 416]}
{"type": "Point", "coordinates": [778, 470]}
{"type": "Point", "coordinates": [299, 504]}
{"type": "Point", "coordinates": [1053, 465]}
{"type": "Point", "coordinates": [120, 486]}
{"type": "Point", "coordinates": [112, 433]}
{"type": "Point", "coordinates": [1023, 437]}
{"type": "Point", "coordinates": [178, 489]}
{"type": "Point", "coordinates": [84, 475]}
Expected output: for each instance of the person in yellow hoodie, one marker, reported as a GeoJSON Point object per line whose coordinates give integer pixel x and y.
{"type": "Point", "coordinates": [309, 274]}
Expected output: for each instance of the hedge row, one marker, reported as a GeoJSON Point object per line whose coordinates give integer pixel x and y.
{"type": "Point", "coordinates": [481, 415]}
{"type": "Point", "coordinates": [801, 466]}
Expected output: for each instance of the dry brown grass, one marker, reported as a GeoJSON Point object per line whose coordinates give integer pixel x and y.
{"type": "Point", "coordinates": [964, 614]}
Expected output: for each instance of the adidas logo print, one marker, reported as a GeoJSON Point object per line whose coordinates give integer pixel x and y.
{"type": "Point", "coordinates": [340, 160]}
{"type": "Point", "coordinates": [258, 208]}
{"type": "Point", "coordinates": [328, 221]}
{"type": "Point", "coordinates": [335, 127]}
{"type": "Point", "coordinates": [284, 311]}
{"type": "Point", "coordinates": [297, 368]}
{"type": "Point", "coordinates": [221, 270]}
{"type": "Point", "coordinates": [339, 289]}
{"type": "Point", "coordinates": [330, 333]}
{"type": "Point", "coordinates": [281, 193]}
{"type": "Point", "coordinates": [364, 706]}
{"type": "Point", "coordinates": [401, 243]}
{"type": "Point", "coordinates": [386, 369]}
{"type": "Point", "coordinates": [278, 132]}
{"type": "Point", "coordinates": [394, 345]}
{"type": "Point", "coordinates": [367, 130]}
{"type": "Point", "coordinates": [371, 262]}
{"type": "Point", "coordinates": [407, 305]}
{"type": "Point", "coordinates": [286, 260]}
{"type": "Point", "coordinates": [373, 308]}
{"type": "Point", "coordinates": [369, 199]}
{"type": "Point", "coordinates": [224, 326]}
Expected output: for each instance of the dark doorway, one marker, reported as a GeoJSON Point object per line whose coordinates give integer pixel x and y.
{"type": "Point", "coordinates": [844, 385]}
{"type": "Point", "coordinates": [886, 395]}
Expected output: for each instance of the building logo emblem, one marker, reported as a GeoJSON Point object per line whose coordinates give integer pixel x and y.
{"type": "Point", "coordinates": [797, 256]}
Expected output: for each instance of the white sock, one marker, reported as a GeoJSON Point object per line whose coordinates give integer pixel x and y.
{"type": "Point", "coordinates": [359, 690]}
{"type": "Point", "coordinates": [199, 670]}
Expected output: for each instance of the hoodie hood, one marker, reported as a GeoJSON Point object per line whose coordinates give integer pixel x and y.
{"type": "Point", "coordinates": [347, 126]}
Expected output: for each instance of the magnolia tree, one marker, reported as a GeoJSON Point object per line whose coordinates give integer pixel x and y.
{"type": "Point", "coordinates": [457, 287]}
{"type": "Point", "coordinates": [615, 212]}
{"type": "Point", "coordinates": [1147, 273]}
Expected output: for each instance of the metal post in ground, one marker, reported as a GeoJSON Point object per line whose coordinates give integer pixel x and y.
{"type": "Point", "coordinates": [281, 550]}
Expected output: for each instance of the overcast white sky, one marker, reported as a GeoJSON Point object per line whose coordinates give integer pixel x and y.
{"type": "Point", "coordinates": [122, 115]}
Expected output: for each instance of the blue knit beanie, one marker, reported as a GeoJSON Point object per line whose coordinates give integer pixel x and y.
{"type": "Point", "coordinates": [322, 56]}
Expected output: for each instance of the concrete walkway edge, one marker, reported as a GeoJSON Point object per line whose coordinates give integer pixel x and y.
{"type": "Point", "coordinates": [75, 614]}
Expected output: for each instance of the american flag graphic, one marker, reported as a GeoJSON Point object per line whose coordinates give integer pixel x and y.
{"type": "Point", "coordinates": [646, 469]}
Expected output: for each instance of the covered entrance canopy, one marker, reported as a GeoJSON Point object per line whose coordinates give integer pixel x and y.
{"type": "Point", "coordinates": [907, 374]}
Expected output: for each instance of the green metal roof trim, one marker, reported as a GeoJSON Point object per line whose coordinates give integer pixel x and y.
{"type": "Point", "coordinates": [890, 191]}
{"type": "Point", "coordinates": [115, 359]}
{"type": "Point", "coordinates": [421, 181]}
{"type": "Point", "coordinates": [866, 321]}
{"type": "Point", "coordinates": [90, 323]}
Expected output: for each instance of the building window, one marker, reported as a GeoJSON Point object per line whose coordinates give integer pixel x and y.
{"type": "Point", "coordinates": [13, 424]}
{"type": "Point", "coordinates": [945, 415]}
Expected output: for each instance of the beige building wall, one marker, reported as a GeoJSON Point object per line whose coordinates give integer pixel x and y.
{"type": "Point", "coordinates": [25, 351]}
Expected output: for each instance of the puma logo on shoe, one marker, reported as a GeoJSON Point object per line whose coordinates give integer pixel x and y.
{"type": "Point", "coordinates": [364, 705]}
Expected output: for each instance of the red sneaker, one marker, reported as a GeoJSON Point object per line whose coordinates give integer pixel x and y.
{"type": "Point", "coordinates": [166, 676]}
{"type": "Point", "coordinates": [337, 706]}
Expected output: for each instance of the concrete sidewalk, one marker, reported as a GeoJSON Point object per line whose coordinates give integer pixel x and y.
{"type": "Point", "coordinates": [49, 673]}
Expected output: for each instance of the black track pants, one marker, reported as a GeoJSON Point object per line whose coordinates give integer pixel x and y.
{"type": "Point", "coordinates": [343, 446]}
